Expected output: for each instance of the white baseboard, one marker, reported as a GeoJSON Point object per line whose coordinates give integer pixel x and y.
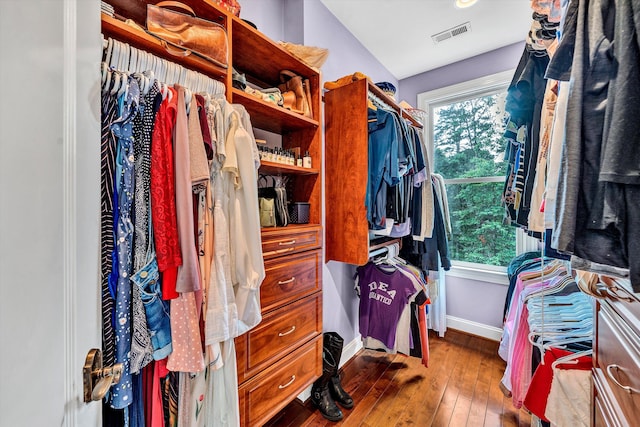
{"type": "Point", "coordinates": [348, 351]}
{"type": "Point", "coordinates": [306, 394]}
{"type": "Point", "coordinates": [474, 328]}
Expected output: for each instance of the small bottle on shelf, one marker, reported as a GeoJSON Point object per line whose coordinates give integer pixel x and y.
{"type": "Point", "coordinates": [306, 160]}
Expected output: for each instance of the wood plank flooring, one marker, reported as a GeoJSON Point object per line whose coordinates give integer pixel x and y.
{"type": "Point", "coordinates": [460, 388]}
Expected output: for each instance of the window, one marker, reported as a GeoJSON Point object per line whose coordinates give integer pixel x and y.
{"type": "Point", "coordinates": [464, 130]}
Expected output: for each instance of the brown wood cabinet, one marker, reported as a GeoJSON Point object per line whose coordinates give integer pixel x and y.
{"type": "Point", "coordinates": [283, 355]}
{"type": "Point", "coordinates": [346, 152]}
{"type": "Point", "coordinates": [616, 371]}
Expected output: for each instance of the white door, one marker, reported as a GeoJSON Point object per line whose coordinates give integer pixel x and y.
{"type": "Point", "coordinates": [49, 209]}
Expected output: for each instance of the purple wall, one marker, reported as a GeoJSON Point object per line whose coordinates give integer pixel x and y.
{"type": "Point", "coordinates": [495, 61]}
{"type": "Point", "coordinates": [294, 21]}
{"type": "Point", "coordinates": [346, 53]}
{"type": "Point", "coordinates": [310, 22]}
{"type": "Point", "coordinates": [268, 15]}
{"type": "Point", "coordinates": [477, 301]}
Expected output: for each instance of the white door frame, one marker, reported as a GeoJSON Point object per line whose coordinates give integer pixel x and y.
{"type": "Point", "coordinates": [49, 209]}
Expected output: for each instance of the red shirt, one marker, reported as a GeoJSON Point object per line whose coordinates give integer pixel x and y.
{"type": "Point", "coordinates": [163, 196]}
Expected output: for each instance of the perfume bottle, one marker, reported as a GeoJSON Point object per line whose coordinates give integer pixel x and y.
{"type": "Point", "coordinates": [306, 160]}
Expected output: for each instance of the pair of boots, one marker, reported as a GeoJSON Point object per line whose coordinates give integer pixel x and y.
{"type": "Point", "coordinates": [327, 390]}
{"type": "Point", "coordinates": [296, 93]}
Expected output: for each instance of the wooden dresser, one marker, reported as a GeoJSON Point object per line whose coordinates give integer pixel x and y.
{"type": "Point", "coordinates": [282, 356]}
{"type": "Point", "coordinates": [616, 371]}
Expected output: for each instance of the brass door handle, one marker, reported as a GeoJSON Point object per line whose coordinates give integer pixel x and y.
{"type": "Point", "coordinates": [97, 380]}
{"type": "Point", "coordinates": [287, 243]}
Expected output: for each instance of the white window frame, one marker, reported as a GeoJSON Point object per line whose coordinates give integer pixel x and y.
{"type": "Point", "coordinates": [430, 100]}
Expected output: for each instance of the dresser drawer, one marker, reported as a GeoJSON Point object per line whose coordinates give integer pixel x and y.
{"type": "Point", "coordinates": [618, 359]}
{"type": "Point", "coordinates": [606, 412]}
{"type": "Point", "coordinates": [626, 304]}
{"type": "Point", "coordinates": [270, 391]}
{"type": "Point", "coordinates": [290, 278]}
{"type": "Point", "coordinates": [284, 329]}
{"type": "Point", "coordinates": [280, 241]}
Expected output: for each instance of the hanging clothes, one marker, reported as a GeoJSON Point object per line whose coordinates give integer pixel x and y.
{"type": "Point", "coordinates": [432, 253]}
{"type": "Point", "coordinates": [122, 393]}
{"type": "Point", "coordinates": [392, 308]}
{"type": "Point", "coordinates": [587, 186]}
{"type": "Point", "coordinates": [163, 200]}
{"type": "Point", "coordinates": [546, 309]}
{"type": "Point", "coordinates": [180, 250]}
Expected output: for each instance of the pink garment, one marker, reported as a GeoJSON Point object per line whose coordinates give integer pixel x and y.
{"type": "Point", "coordinates": [198, 162]}
{"type": "Point", "coordinates": [520, 362]}
{"type": "Point", "coordinates": [516, 322]}
{"type": "Point", "coordinates": [157, 412]}
{"type": "Point", "coordinates": [188, 279]}
{"type": "Point", "coordinates": [187, 355]}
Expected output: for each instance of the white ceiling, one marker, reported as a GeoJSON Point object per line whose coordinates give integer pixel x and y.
{"type": "Point", "coordinates": [398, 32]}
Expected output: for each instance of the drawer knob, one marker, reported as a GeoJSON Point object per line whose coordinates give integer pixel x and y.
{"type": "Point", "coordinates": [626, 388]}
{"type": "Point", "coordinates": [287, 243]}
{"type": "Point", "coordinates": [288, 383]}
{"type": "Point", "coordinates": [612, 292]}
{"type": "Point", "coordinates": [282, 334]}
{"type": "Point", "coordinates": [284, 282]}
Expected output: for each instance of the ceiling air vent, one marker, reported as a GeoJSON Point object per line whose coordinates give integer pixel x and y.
{"type": "Point", "coordinates": [456, 31]}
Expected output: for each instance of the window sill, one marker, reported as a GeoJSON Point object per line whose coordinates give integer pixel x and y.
{"type": "Point", "coordinates": [479, 274]}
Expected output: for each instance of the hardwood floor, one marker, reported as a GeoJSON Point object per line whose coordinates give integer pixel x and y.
{"type": "Point", "coordinates": [460, 388]}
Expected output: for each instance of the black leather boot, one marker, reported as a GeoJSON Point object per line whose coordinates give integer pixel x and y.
{"type": "Point", "coordinates": [338, 393]}
{"type": "Point", "coordinates": [320, 394]}
{"type": "Point", "coordinates": [333, 343]}
{"type": "Point", "coordinates": [321, 398]}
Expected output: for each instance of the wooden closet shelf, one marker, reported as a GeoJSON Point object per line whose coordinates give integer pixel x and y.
{"type": "Point", "coordinates": [249, 44]}
{"type": "Point", "coordinates": [273, 167]}
{"type": "Point", "coordinates": [123, 32]}
{"type": "Point", "coordinates": [137, 10]}
{"type": "Point", "coordinates": [270, 117]}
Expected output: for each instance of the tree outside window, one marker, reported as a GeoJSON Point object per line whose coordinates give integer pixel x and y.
{"type": "Point", "coordinates": [469, 153]}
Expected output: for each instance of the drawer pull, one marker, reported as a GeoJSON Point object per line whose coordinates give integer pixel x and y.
{"type": "Point", "coordinates": [282, 334]}
{"type": "Point", "coordinates": [612, 292]}
{"type": "Point", "coordinates": [626, 388]}
{"type": "Point", "coordinates": [284, 282]}
{"type": "Point", "coordinates": [288, 383]}
{"type": "Point", "coordinates": [287, 243]}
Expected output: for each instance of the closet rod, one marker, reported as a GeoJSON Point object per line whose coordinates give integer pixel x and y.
{"type": "Point", "coordinates": [383, 247]}
{"type": "Point", "coordinates": [165, 71]}
{"type": "Point", "coordinates": [377, 95]}
{"type": "Point", "coordinates": [134, 35]}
